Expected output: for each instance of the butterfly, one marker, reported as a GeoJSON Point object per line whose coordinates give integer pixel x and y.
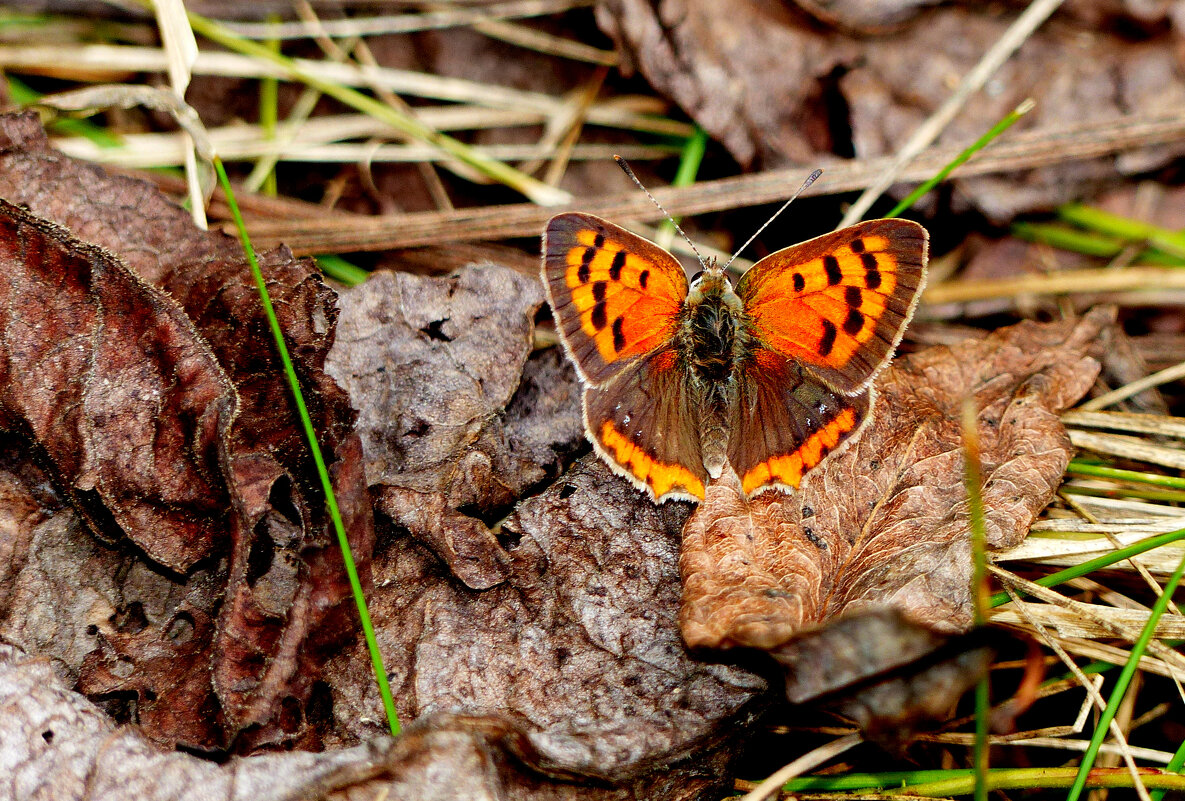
{"type": "Point", "coordinates": [770, 377]}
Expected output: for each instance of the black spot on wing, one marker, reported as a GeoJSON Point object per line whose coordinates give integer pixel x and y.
{"type": "Point", "coordinates": [857, 246]}
{"type": "Point", "coordinates": [827, 341]}
{"type": "Point", "coordinates": [854, 322]}
{"type": "Point", "coordinates": [599, 318]}
{"type": "Point", "coordinates": [586, 260]}
{"type": "Point", "coordinates": [643, 278]}
{"type": "Point", "coordinates": [618, 335]}
{"type": "Point", "coordinates": [853, 296]}
{"type": "Point", "coordinates": [618, 263]}
{"type": "Point", "coordinates": [799, 282]}
{"type": "Point", "coordinates": [872, 275]}
{"type": "Point", "coordinates": [831, 267]}
{"type": "Point", "coordinates": [599, 291]}
{"type": "Point", "coordinates": [599, 241]}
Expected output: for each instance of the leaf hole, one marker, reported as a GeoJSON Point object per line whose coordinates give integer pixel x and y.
{"type": "Point", "coordinates": [130, 619]}
{"type": "Point", "coordinates": [435, 331]}
{"type": "Point", "coordinates": [263, 551]}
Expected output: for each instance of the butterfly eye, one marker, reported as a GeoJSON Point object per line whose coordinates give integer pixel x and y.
{"type": "Point", "coordinates": [696, 277]}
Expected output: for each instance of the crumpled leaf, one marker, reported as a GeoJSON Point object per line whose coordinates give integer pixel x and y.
{"type": "Point", "coordinates": [58, 746]}
{"type": "Point", "coordinates": [723, 62]}
{"type": "Point", "coordinates": [579, 643]}
{"type": "Point", "coordinates": [249, 473]}
{"type": "Point", "coordinates": [885, 522]}
{"type": "Point", "coordinates": [449, 431]}
{"type": "Point", "coordinates": [128, 403]}
{"type": "Point", "coordinates": [888, 674]}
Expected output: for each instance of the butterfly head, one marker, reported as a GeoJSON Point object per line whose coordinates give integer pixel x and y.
{"type": "Point", "coordinates": [710, 281]}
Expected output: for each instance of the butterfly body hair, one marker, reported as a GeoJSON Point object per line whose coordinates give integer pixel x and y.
{"type": "Point", "coordinates": [713, 337]}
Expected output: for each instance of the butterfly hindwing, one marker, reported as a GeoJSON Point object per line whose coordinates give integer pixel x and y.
{"type": "Point", "coordinates": [839, 303]}
{"type": "Point", "coordinates": [785, 422]}
{"type": "Point", "coordinates": [644, 425]}
{"type": "Point", "coordinates": [615, 295]}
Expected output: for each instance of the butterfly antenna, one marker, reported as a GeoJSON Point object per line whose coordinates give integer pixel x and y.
{"type": "Point", "coordinates": [622, 163]}
{"type": "Point", "coordinates": [810, 179]}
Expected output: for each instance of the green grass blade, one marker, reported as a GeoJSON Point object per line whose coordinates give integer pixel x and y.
{"type": "Point", "coordinates": [1165, 240]}
{"type": "Point", "coordinates": [1080, 468]}
{"type": "Point", "coordinates": [1098, 563]}
{"type": "Point", "coordinates": [979, 144]}
{"type": "Point", "coordinates": [534, 189]}
{"type": "Point", "coordinates": [1088, 243]}
{"type": "Point", "coordinates": [1123, 682]}
{"type": "Point", "coordinates": [689, 163]}
{"type": "Point", "coordinates": [376, 658]}
{"type": "Point", "coordinates": [1176, 764]}
{"type": "Point", "coordinates": [341, 270]}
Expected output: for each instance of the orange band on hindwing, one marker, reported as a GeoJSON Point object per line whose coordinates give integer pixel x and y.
{"type": "Point", "coordinates": [660, 478]}
{"type": "Point", "coordinates": [789, 468]}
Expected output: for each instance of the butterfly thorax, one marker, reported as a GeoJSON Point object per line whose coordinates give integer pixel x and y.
{"type": "Point", "coordinates": [712, 336]}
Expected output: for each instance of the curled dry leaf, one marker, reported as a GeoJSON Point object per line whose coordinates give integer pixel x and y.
{"type": "Point", "coordinates": [885, 672]}
{"type": "Point", "coordinates": [166, 418]}
{"type": "Point", "coordinates": [765, 82]}
{"type": "Point", "coordinates": [127, 403]}
{"type": "Point", "coordinates": [885, 522]}
{"type": "Point", "coordinates": [579, 644]}
{"type": "Point", "coordinates": [457, 417]}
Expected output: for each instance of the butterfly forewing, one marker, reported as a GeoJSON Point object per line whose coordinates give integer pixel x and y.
{"type": "Point", "coordinates": [616, 296]}
{"type": "Point", "coordinates": [839, 303]}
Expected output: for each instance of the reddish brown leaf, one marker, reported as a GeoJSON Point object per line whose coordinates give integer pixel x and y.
{"type": "Point", "coordinates": [885, 522]}
{"type": "Point", "coordinates": [161, 384]}
{"type": "Point", "coordinates": [127, 403]}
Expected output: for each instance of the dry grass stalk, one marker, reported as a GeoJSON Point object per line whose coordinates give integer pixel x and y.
{"type": "Point", "coordinates": [406, 23]}
{"type": "Point", "coordinates": [1023, 151]}
{"type": "Point", "coordinates": [1129, 448]}
{"type": "Point", "coordinates": [1020, 30]}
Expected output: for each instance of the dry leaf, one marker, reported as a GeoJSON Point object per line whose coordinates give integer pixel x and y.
{"type": "Point", "coordinates": [447, 425]}
{"type": "Point", "coordinates": [166, 418]}
{"type": "Point", "coordinates": [885, 523]}
{"type": "Point", "coordinates": [725, 63]}
{"type": "Point", "coordinates": [579, 643]}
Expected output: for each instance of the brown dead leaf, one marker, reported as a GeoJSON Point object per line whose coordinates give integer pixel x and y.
{"type": "Point", "coordinates": [885, 523]}
{"type": "Point", "coordinates": [579, 644]}
{"type": "Point", "coordinates": [158, 378]}
{"type": "Point", "coordinates": [68, 750]}
{"type": "Point", "coordinates": [128, 403]}
{"type": "Point", "coordinates": [888, 674]}
{"type": "Point", "coordinates": [726, 63]}
{"type": "Point", "coordinates": [458, 418]}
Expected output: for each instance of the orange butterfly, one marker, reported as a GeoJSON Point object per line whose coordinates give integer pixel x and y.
{"type": "Point", "coordinates": [771, 377]}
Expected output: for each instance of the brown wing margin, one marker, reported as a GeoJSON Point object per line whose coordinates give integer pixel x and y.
{"type": "Point", "coordinates": [644, 426]}
{"type": "Point", "coordinates": [785, 423]}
